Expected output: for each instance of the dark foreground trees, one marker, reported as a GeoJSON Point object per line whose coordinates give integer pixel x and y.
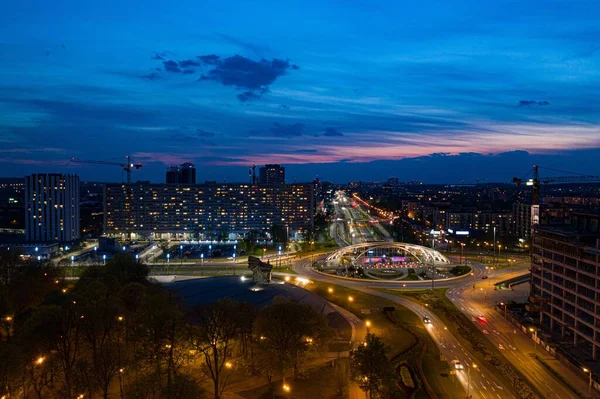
{"type": "Point", "coordinates": [371, 369]}
{"type": "Point", "coordinates": [113, 333]}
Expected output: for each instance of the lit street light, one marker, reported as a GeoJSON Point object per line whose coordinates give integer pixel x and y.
{"type": "Point", "coordinates": [585, 370]}
{"type": "Point", "coordinates": [72, 265]}
{"type": "Point", "coordinates": [104, 259]}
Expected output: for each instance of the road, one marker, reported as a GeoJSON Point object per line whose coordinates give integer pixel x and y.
{"type": "Point", "coordinates": [514, 344]}
{"type": "Point", "coordinates": [469, 295]}
{"type": "Point", "coordinates": [483, 381]}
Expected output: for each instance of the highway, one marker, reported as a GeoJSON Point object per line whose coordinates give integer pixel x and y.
{"type": "Point", "coordinates": [516, 347]}
{"type": "Point", "coordinates": [513, 343]}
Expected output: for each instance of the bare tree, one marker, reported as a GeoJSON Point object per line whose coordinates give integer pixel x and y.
{"type": "Point", "coordinates": [213, 330]}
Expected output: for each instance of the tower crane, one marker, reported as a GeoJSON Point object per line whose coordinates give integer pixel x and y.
{"type": "Point", "coordinates": [127, 166]}
{"type": "Point", "coordinates": [535, 184]}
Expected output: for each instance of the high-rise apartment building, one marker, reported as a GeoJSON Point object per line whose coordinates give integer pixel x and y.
{"type": "Point", "coordinates": [565, 281]}
{"type": "Point", "coordinates": [173, 174]}
{"type": "Point", "coordinates": [271, 175]}
{"type": "Point", "coordinates": [184, 173]}
{"type": "Point", "coordinates": [52, 208]}
{"type": "Point", "coordinates": [522, 220]}
{"type": "Point", "coordinates": [163, 210]}
{"type": "Point", "coordinates": [188, 173]}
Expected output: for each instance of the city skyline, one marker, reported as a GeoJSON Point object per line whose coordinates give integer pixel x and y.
{"type": "Point", "coordinates": [459, 92]}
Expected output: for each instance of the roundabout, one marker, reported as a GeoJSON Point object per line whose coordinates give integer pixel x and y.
{"type": "Point", "coordinates": [387, 261]}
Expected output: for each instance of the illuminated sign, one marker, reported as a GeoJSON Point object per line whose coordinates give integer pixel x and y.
{"type": "Point", "coordinates": [450, 231]}
{"type": "Point", "coordinates": [462, 233]}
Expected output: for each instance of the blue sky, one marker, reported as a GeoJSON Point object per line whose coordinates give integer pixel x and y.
{"type": "Point", "coordinates": [347, 90]}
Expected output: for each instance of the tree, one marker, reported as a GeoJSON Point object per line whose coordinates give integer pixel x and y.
{"type": "Point", "coordinates": [370, 368]}
{"type": "Point", "coordinates": [279, 233]}
{"type": "Point", "coordinates": [213, 330]}
{"type": "Point", "coordinates": [250, 240]}
{"type": "Point", "coordinates": [289, 330]}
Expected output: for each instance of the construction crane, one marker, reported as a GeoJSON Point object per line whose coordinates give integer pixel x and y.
{"type": "Point", "coordinates": [535, 184]}
{"type": "Point", "coordinates": [127, 166]}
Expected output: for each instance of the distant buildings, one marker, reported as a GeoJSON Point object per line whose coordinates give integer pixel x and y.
{"type": "Point", "coordinates": [184, 174]}
{"type": "Point", "coordinates": [271, 175]}
{"type": "Point", "coordinates": [565, 281]}
{"type": "Point", "coordinates": [52, 208]}
{"type": "Point", "coordinates": [189, 210]}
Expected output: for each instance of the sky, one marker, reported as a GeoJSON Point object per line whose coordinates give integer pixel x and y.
{"type": "Point", "coordinates": [438, 91]}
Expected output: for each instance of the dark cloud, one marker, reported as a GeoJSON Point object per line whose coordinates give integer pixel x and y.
{"type": "Point", "coordinates": [209, 59]}
{"type": "Point", "coordinates": [171, 66]}
{"type": "Point", "coordinates": [293, 130]}
{"type": "Point", "coordinates": [246, 74]}
{"type": "Point", "coordinates": [332, 132]}
{"type": "Point", "coordinates": [252, 78]}
{"type": "Point", "coordinates": [189, 63]}
{"type": "Point", "coordinates": [151, 76]}
{"type": "Point", "coordinates": [524, 103]}
{"type": "Point", "coordinates": [158, 56]}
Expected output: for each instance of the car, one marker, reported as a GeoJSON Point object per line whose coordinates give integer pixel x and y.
{"type": "Point", "coordinates": [426, 320]}
{"type": "Point", "coordinates": [484, 277]}
{"type": "Point", "coordinates": [458, 365]}
{"type": "Point", "coordinates": [481, 318]}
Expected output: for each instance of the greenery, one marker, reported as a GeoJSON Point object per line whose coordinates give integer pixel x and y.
{"type": "Point", "coordinates": [371, 369]}
{"type": "Point", "coordinates": [460, 270]}
{"type": "Point", "coordinates": [407, 342]}
{"type": "Point", "coordinates": [113, 333]}
{"type": "Point", "coordinates": [461, 327]}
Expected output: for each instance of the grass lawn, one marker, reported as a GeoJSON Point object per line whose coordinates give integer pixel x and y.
{"type": "Point", "coordinates": [462, 328]}
{"type": "Point", "coordinates": [407, 332]}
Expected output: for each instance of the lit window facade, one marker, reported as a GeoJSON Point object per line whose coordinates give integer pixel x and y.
{"type": "Point", "coordinates": [203, 208]}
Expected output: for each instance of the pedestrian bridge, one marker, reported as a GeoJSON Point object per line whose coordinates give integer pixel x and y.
{"type": "Point", "coordinates": [387, 255]}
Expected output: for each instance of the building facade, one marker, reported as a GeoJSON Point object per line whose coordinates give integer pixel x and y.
{"type": "Point", "coordinates": [52, 208]}
{"type": "Point", "coordinates": [158, 210]}
{"type": "Point", "coordinates": [522, 220]}
{"type": "Point", "coordinates": [271, 175]}
{"type": "Point", "coordinates": [565, 281]}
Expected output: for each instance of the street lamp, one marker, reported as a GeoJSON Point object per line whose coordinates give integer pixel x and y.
{"type": "Point", "coordinates": [234, 263]}
{"type": "Point", "coordinates": [368, 325]}
{"type": "Point", "coordinates": [104, 259]}
{"type": "Point", "coordinates": [168, 262]}
{"type": "Point", "coordinates": [264, 252]}
{"type": "Point", "coordinates": [202, 259]}
{"type": "Point", "coordinates": [585, 370]}
{"type": "Point", "coordinates": [534, 331]}
{"type": "Point", "coordinates": [462, 247]}
{"type": "Point", "coordinates": [72, 267]}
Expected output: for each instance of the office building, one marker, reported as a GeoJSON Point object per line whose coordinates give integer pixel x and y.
{"type": "Point", "coordinates": [271, 175]}
{"type": "Point", "coordinates": [565, 281]}
{"type": "Point", "coordinates": [52, 208]}
{"type": "Point", "coordinates": [184, 173]}
{"type": "Point", "coordinates": [190, 210]}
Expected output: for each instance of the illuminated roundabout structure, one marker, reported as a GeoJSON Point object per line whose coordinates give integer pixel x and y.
{"type": "Point", "coordinates": [386, 260]}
